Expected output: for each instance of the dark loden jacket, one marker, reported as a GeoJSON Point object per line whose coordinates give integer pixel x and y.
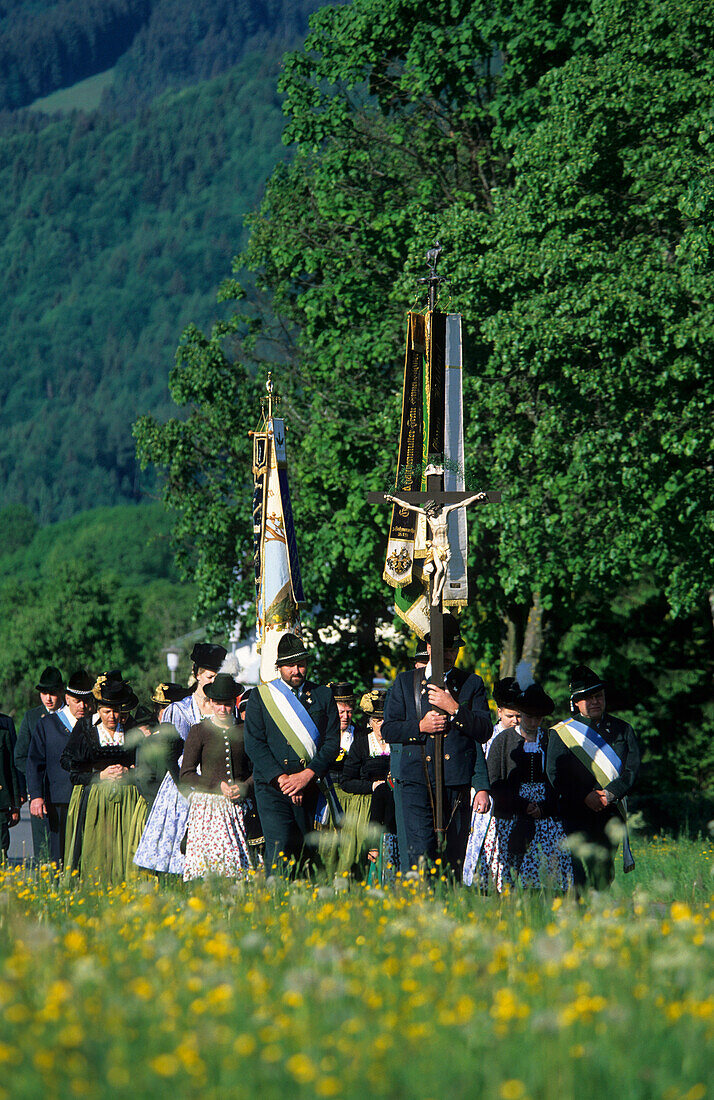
{"type": "Point", "coordinates": [572, 780]}
{"type": "Point", "coordinates": [10, 790]}
{"type": "Point", "coordinates": [46, 778]}
{"type": "Point", "coordinates": [509, 766]}
{"type": "Point", "coordinates": [270, 752]}
{"type": "Point", "coordinates": [465, 733]}
{"type": "Point", "coordinates": [362, 770]}
{"type": "Point", "coordinates": [84, 758]}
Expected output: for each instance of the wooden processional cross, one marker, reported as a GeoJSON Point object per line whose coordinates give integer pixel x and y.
{"type": "Point", "coordinates": [436, 504]}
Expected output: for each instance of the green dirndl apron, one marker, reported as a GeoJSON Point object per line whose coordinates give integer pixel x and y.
{"type": "Point", "coordinates": [104, 823]}
{"type": "Point", "coordinates": [355, 832]}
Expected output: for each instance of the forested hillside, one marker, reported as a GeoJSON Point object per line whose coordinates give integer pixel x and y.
{"type": "Point", "coordinates": [46, 45]}
{"type": "Point", "coordinates": [117, 226]}
{"type": "Point", "coordinates": [158, 44]}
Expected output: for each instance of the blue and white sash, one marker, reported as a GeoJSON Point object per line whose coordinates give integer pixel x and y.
{"type": "Point", "coordinates": [64, 719]}
{"type": "Point", "coordinates": [296, 724]}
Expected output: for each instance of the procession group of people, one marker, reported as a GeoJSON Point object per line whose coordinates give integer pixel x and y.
{"type": "Point", "coordinates": [219, 780]}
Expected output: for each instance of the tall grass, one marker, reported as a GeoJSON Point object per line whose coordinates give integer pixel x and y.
{"type": "Point", "coordinates": [303, 990]}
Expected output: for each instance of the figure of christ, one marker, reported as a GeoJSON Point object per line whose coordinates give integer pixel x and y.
{"type": "Point", "coordinates": [437, 518]}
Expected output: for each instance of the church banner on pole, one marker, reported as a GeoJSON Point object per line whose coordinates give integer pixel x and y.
{"type": "Point", "coordinates": [432, 423]}
{"type": "Point", "coordinates": [278, 586]}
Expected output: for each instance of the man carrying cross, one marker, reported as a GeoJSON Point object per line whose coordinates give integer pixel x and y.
{"type": "Point", "coordinates": [415, 713]}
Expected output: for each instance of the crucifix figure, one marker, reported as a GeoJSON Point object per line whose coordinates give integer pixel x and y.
{"type": "Point", "coordinates": [437, 518]}
{"type": "Point", "coordinates": [432, 427]}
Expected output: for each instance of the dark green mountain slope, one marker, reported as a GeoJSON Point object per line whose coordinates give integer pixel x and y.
{"type": "Point", "coordinates": [46, 45]}
{"type": "Point", "coordinates": [159, 44]}
{"type": "Point", "coordinates": [111, 239]}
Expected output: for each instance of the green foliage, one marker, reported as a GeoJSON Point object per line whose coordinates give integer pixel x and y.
{"type": "Point", "coordinates": [187, 41]}
{"type": "Point", "coordinates": [97, 591]}
{"type": "Point", "coordinates": [560, 152]}
{"type": "Point", "coordinates": [111, 237]}
{"type": "Point", "coordinates": [18, 526]}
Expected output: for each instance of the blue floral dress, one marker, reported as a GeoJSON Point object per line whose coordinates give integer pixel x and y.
{"type": "Point", "coordinates": [160, 845]}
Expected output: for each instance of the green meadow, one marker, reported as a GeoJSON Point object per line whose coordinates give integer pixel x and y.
{"type": "Point", "coordinates": [335, 989]}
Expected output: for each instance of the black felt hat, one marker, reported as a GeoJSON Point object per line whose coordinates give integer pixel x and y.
{"type": "Point", "coordinates": [373, 702]}
{"type": "Point", "coordinates": [145, 716]}
{"type": "Point", "coordinates": [421, 653]}
{"type": "Point", "coordinates": [110, 692]}
{"type": "Point", "coordinates": [452, 634]}
{"type": "Point", "coordinates": [583, 682]}
{"type": "Point", "coordinates": [342, 692]}
{"type": "Point", "coordinates": [169, 693]}
{"type": "Point", "coordinates": [51, 680]}
{"type": "Point", "coordinates": [244, 701]}
{"type": "Point", "coordinates": [291, 649]}
{"type": "Point", "coordinates": [506, 692]}
{"type": "Point", "coordinates": [80, 684]}
{"type": "Point", "coordinates": [534, 701]}
{"type": "Point", "coordinates": [207, 655]}
{"type": "Point", "coordinates": [223, 689]}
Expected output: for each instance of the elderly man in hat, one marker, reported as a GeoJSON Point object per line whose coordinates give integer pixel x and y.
{"type": "Point", "coordinates": [414, 711]}
{"type": "Point", "coordinates": [292, 735]}
{"type": "Point", "coordinates": [48, 784]}
{"type": "Point", "coordinates": [344, 696]}
{"type": "Point", "coordinates": [51, 690]}
{"type": "Point", "coordinates": [592, 764]}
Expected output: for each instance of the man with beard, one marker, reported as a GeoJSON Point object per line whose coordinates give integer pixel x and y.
{"type": "Point", "coordinates": [49, 787]}
{"type": "Point", "coordinates": [292, 735]}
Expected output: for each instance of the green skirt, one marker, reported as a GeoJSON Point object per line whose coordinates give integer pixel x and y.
{"type": "Point", "coordinates": [355, 832]}
{"type": "Point", "coordinates": [104, 824]}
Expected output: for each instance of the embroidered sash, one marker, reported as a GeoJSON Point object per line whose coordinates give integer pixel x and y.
{"type": "Point", "coordinates": [299, 730]}
{"type": "Point", "coordinates": [291, 717]}
{"type": "Point", "coordinates": [603, 763]}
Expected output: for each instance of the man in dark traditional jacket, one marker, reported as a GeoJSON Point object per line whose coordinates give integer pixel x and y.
{"type": "Point", "coordinates": [292, 735]}
{"type": "Point", "coordinates": [10, 788]}
{"type": "Point", "coordinates": [414, 711]}
{"type": "Point", "coordinates": [51, 688]}
{"type": "Point", "coordinates": [48, 784]}
{"type": "Point", "coordinates": [590, 800]}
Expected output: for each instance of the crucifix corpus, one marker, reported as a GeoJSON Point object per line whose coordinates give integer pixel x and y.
{"type": "Point", "coordinates": [430, 493]}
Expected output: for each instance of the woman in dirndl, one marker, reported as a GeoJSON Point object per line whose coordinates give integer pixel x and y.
{"type": "Point", "coordinates": [105, 800]}
{"type": "Point", "coordinates": [505, 693]}
{"type": "Point", "coordinates": [525, 842]}
{"type": "Point", "coordinates": [366, 772]}
{"type": "Point", "coordinates": [161, 846]}
{"type": "Point", "coordinates": [217, 772]}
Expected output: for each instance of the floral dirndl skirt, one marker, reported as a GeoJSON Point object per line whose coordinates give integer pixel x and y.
{"type": "Point", "coordinates": [160, 845]}
{"type": "Point", "coordinates": [217, 843]}
{"type": "Point", "coordinates": [545, 862]}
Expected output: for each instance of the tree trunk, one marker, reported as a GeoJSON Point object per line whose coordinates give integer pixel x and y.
{"type": "Point", "coordinates": [533, 638]}
{"type": "Point", "coordinates": [523, 640]}
{"type": "Point", "coordinates": [509, 649]}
